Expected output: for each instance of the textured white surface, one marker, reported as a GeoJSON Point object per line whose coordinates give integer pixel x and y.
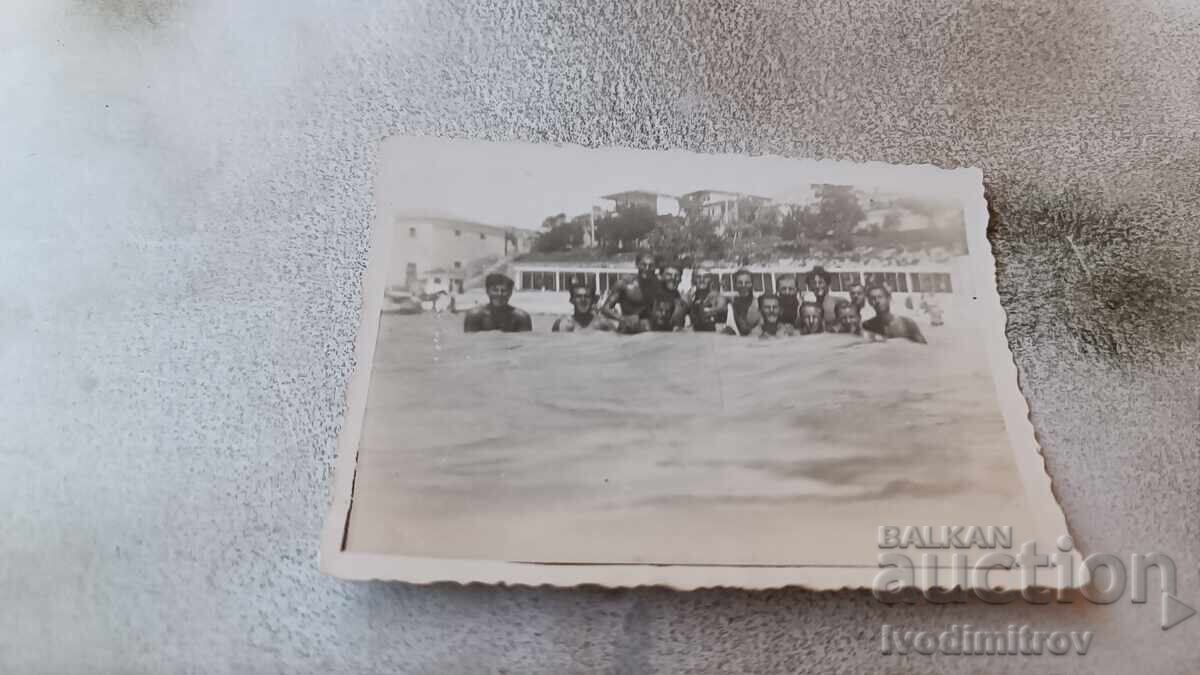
{"type": "Point", "coordinates": [186, 192]}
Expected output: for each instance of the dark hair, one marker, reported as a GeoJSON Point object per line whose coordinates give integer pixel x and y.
{"type": "Point", "coordinates": [577, 282]}
{"type": "Point", "coordinates": [881, 287]}
{"type": "Point", "coordinates": [646, 254]}
{"type": "Point", "coordinates": [781, 277]}
{"type": "Point", "coordinates": [767, 296]}
{"type": "Point", "coordinates": [840, 306]}
{"type": "Point", "coordinates": [840, 303]}
{"type": "Point", "coordinates": [818, 271]}
{"type": "Point", "coordinates": [800, 310]}
{"type": "Point", "coordinates": [742, 271]}
{"type": "Point", "coordinates": [496, 278]}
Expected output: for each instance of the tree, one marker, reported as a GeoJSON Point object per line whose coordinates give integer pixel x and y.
{"type": "Point", "coordinates": [551, 222]}
{"type": "Point", "coordinates": [621, 230]}
{"type": "Point", "coordinates": [837, 215]}
{"type": "Point", "coordinates": [581, 225]}
{"type": "Point", "coordinates": [560, 234]}
{"type": "Point", "coordinates": [799, 228]}
{"type": "Point", "coordinates": [765, 221]}
{"type": "Point", "coordinates": [688, 237]}
{"type": "Point", "coordinates": [839, 210]}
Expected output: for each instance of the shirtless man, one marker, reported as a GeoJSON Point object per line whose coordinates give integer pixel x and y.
{"type": "Point", "coordinates": [811, 321]}
{"type": "Point", "coordinates": [707, 308]}
{"type": "Point", "coordinates": [633, 295]}
{"type": "Point", "coordinates": [789, 299]}
{"type": "Point", "coordinates": [661, 318]}
{"type": "Point", "coordinates": [848, 319]}
{"type": "Point", "coordinates": [745, 309]}
{"type": "Point", "coordinates": [885, 324]}
{"type": "Point", "coordinates": [497, 314]}
{"type": "Point", "coordinates": [818, 283]}
{"type": "Point", "coordinates": [583, 299]}
{"type": "Point", "coordinates": [772, 324]}
{"type": "Point", "coordinates": [669, 277]}
{"type": "Point", "coordinates": [858, 297]}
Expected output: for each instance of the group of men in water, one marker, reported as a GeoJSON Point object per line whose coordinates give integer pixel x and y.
{"type": "Point", "coordinates": [650, 301]}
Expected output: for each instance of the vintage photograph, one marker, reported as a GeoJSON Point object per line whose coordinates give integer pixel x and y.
{"type": "Point", "coordinates": [625, 357]}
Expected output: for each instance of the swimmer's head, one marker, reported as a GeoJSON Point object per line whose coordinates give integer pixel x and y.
{"type": "Point", "coordinates": [768, 306]}
{"type": "Point", "coordinates": [848, 319]}
{"type": "Point", "coordinates": [583, 298]}
{"type": "Point", "coordinates": [670, 275]}
{"type": "Point", "coordinates": [663, 309]}
{"type": "Point", "coordinates": [787, 286]}
{"type": "Point", "coordinates": [858, 295]}
{"type": "Point", "coordinates": [743, 283]}
{"type": "Point", "coordinates": [818, 281]}
{"type": "Point", "coordinates": [646, 265]}
{"type": "Point", "coordinates": [499, 289]}
{"type": "Point", "coordinates": [810, 318]}
{"type": "Point", "coordinates": [880, 298]}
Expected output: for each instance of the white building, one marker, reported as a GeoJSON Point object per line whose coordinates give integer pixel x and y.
{"type": "Point", "coordinates": [431, 254]}
{"type": "Point", "coordinates": [663, 204]}
{"type": "Point", "coordinates": [721, 207]}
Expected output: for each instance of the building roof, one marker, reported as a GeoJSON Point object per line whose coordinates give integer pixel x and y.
{"type": "Point", "coordinates": [739, 195]}
{"type": "Point", "coordinates": [639, 193]}
{"type": "Point", "coordinates": [458, 223]}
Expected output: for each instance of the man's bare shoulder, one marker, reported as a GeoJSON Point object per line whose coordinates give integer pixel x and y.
{"type": "Point", "coordinates": [625, 281]}
{"type": "Point", "coordinates": [912, 330]}
{"type": "Point", "coordinates": [477, 312]}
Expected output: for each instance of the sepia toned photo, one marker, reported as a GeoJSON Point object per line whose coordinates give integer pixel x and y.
{"type": "Point", "coordinates": [623, 366]}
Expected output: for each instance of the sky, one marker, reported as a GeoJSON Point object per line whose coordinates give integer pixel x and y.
{"type": "Point", "coordinates": [519, 184]}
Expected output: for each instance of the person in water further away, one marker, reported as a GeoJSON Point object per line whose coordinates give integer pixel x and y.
{"type": "Point", "coordinates": [858, 298]}
{"type": "Point", "coordinates": [772, 325]}
{"type": "Point", "coordinates": [884, 323]}
{"type": "Point", "coordinates": [497, 314]}
{"type": "Point", "coordinates": [930, 306]}
{"type": "Point", "coordinates": [669, 277]}
{"type": "Point", "coordinates": [848, 319]}
{"type": "Point", "coordinates": [818, 282]}
{"type": "Point", "coordinates": [584, 318]}
{"type": "Point", "coordinates": [634, 296]}
{"type": "Point", "coordinates": [707, 308]}
{"type": "Point", "coordinates": [745, 309]}
{"type": "Point", "coordinates": [789, 299]}
{"type": "Point", "coordinates": [810, 321]}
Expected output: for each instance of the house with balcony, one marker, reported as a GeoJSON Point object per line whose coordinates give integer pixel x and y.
{"type": "Point", "coordinates": [721, 207]}
{"type": "Point", "coordinates": [662, 204]}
